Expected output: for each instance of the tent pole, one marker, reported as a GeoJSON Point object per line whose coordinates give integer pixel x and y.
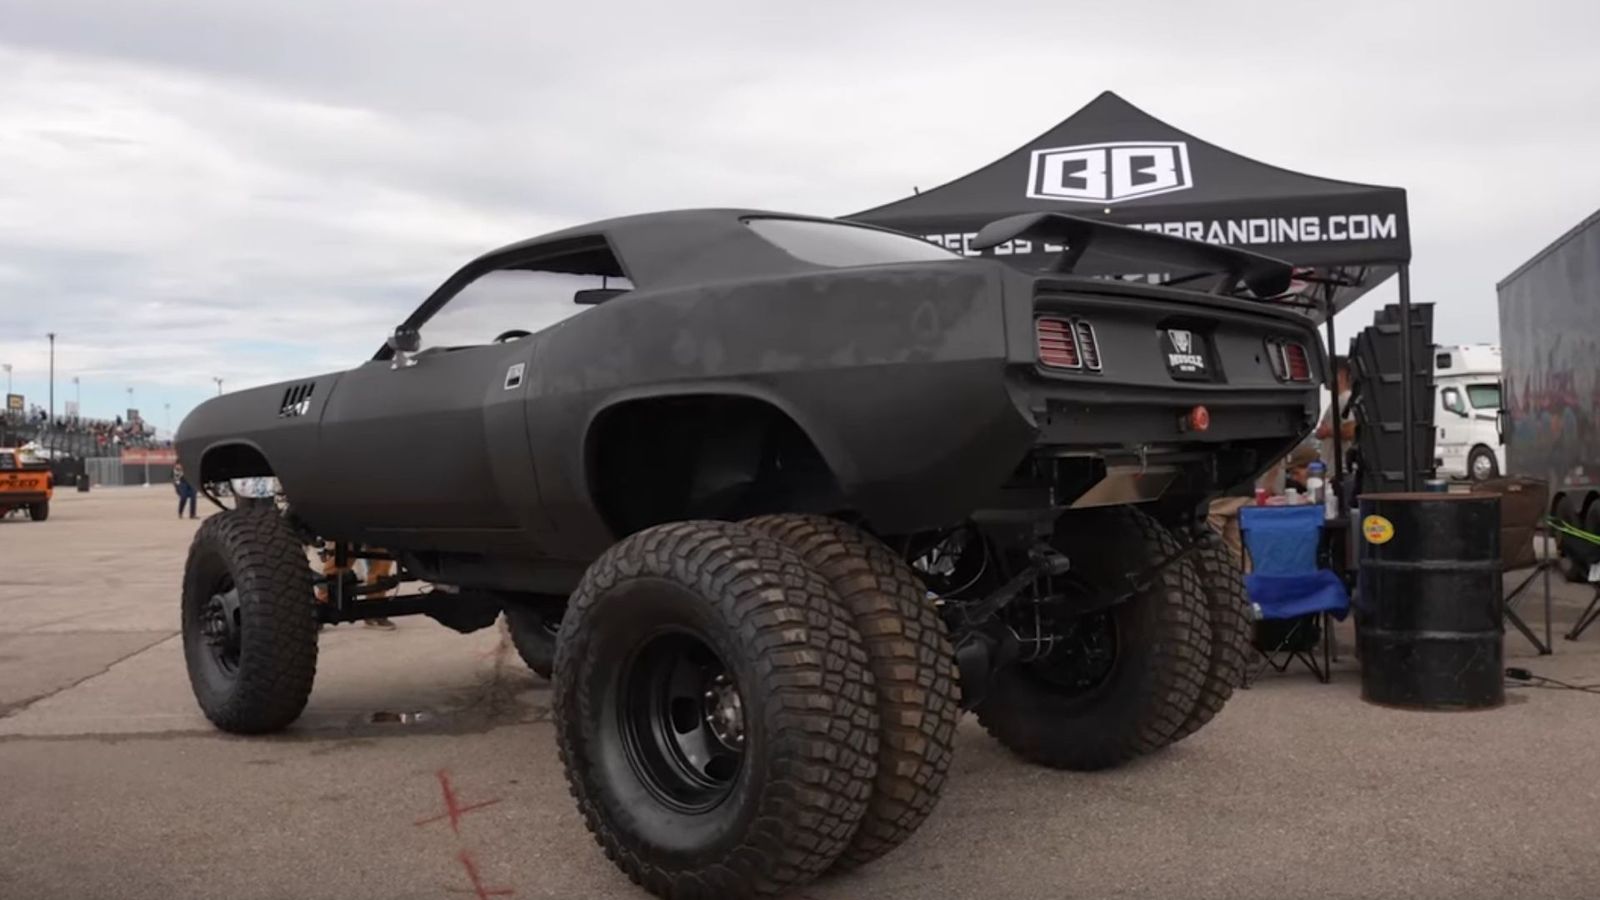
{"type": "Point", "coordinates": [1407, 414]}
{"type": "Point", "coordinates": [1335, 414]}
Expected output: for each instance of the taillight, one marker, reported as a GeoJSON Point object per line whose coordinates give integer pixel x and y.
{"type": "Point", "coordinates": [1290, 361]}
{"type": "Point", "coordinates": [1067, 344]}
{"type": "Point", "coordinates": [1058, 346]}
{"type": "Point", "coordinates": [1298, 365]}
{"type": "Point", "coordinates": [1087, 345]}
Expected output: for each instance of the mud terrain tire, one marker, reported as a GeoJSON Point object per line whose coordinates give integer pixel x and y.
{"type": "Point", "coordinates": [911, 662]}
{"type": "Point", "coordinates": [712, 609]}
{"type": "Point", "coordinates": [249, 623]}
{"type": "Point", "coordinates": [1161, 647]}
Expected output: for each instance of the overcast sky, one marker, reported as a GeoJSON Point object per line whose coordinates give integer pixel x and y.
{"type": "Point", "coordinates": [193, 189]}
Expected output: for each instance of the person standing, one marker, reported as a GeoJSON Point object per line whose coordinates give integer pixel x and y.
{"type": "Point", "coordinates": [186, 492]}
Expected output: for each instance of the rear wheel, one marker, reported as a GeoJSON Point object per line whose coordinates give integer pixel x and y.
{"type": "Point", "coordinates": [249, 622]}
{"type": "Point", "coordinates": [912, 665]}
{"type": "Point", "coordinates": [1228, 614]}
{"type": "Point", "coordinates": [1120, 682]}
{"type": "Point", "coordinates": [714, 712]}
{"type": "Point", "coordinates": [40, 511]}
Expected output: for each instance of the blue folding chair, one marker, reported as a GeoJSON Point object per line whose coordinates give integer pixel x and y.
{"type": "Point", "coordinates": [1292, 594]}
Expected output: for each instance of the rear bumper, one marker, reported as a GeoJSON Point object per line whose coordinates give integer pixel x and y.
{"type": "Point", "coordinates": [11, 499]}
{"type": "Point", "coordinates": [1109, 417]}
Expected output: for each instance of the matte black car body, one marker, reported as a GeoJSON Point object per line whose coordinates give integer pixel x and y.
{"type": "Point", "coordinates": [735, 379]}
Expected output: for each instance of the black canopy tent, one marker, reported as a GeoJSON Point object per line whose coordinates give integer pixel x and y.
{"type": "Point", "coordinates": [1114, 162]}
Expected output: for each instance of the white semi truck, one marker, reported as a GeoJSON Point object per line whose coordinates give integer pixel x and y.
{"type": "Point", "coordinates": [1466, 390]}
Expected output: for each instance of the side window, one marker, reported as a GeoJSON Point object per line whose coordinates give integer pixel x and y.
{"type": "Point", "coordinates": [1450, 398]}
{"type": "Point", "coordinates": [509, 300]}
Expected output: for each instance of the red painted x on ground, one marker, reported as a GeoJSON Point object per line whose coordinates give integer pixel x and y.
{"type": "Point", "coordinates": [478, 890]}
{"type": "Point", "coordinates": [453, 810]}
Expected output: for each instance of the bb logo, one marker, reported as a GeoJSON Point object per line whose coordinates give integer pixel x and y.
{"type": "Point", "coordinates": [1109, 173]}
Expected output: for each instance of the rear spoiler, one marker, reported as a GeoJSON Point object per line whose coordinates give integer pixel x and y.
{"type": "Point", "coordinates": [1263, 275]}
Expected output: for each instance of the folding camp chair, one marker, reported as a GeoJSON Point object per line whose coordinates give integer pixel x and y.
{"type": "Point", "coordinates": [1523, 502]}
{"type": "Point", "coordinates": [1293, 596]}
{"type": "Point", "coordinates": [1584, 539]}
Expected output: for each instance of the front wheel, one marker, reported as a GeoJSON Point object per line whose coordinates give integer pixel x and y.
{"type": "Point", "coordinates": [1482, 465]}
{"type": "Point", "coordinates": [249, 621]}
{"type": "Point", "coordinates": [1120, 682]}
{"type": "Point", "coordinates": [533, 633]}
{"type": "Point", "coordinates": [714, 712]}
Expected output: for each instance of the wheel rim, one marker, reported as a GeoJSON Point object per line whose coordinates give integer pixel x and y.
{"type": "Point", "coordinates": [1083, 657]}
{"type": "Point", "coordinates": [1480, 467]}
{"type": "Point", "coordinates": [683, 723]}
{"type": "Point", "coordinates": [220, 626]}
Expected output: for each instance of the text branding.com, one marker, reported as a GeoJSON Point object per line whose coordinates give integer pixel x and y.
{"type": "Point", "coordinates": [1300, 229]}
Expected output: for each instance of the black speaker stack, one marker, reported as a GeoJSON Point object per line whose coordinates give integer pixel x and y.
{"type": "Point", "coordinates": [1379, 385]}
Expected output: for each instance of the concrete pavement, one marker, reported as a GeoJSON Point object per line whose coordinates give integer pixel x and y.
{"type": "Point", "coordinates": [113, 785]}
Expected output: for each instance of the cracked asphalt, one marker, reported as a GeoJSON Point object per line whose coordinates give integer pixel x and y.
{"type": "Point", "coordinates": [425, 767]}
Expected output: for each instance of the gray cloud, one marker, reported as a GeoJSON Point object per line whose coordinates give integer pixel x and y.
{"type": "Point", "coordinates": [195, 188]}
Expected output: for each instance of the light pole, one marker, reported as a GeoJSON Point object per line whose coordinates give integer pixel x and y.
{"type": "Point", "coordinates": [77, 396]}
{"type": "Point", "coordinates": [7, 367]}
{"type": "Point", "coordinates": [219, 385]}
{"type": "Point", "coordinates": [143, 451]}
{"type": "Point", "coordinates": [50, 424]}
{"type": "Point", "coordinates": [167, 408]}
{"type": "Point", "coordinates": [52, 336]}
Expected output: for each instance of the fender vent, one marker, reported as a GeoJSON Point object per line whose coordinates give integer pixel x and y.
{"type": "Point", "coordinates": [296, 400]}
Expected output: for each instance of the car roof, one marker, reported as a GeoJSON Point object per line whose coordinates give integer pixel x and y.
{"type": "Point", "coordinates": [656, 250]}
{"type": "Point", "coordinates": [663, 249]}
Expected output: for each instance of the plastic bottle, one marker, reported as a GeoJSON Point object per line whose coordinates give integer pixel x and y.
{"type": "Point", "coordinates": [1316, 481]}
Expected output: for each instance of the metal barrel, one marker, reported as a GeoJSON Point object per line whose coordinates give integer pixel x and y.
{"type": "Point", "coordinates": [1428, 613]}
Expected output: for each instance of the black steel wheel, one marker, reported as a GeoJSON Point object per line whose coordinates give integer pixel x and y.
{"type": "Point", "coordinates": [714, 712]}
{"type": "Point", "coordinates": [1073, 708]}
{"type": "Point", "coordinates": [682, 721]}
{"type": "Point", "coordinates": [249, 623]}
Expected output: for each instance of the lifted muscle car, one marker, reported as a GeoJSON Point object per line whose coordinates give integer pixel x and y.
{"type": "Point", "coordinates": [774, 497]}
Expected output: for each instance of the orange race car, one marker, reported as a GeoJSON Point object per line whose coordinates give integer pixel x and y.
{"type": "Point", "coordinates": [25, 483]}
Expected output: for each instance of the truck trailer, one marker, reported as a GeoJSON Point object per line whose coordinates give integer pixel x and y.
{"type": "Point", "coordinates": [1550, 343]}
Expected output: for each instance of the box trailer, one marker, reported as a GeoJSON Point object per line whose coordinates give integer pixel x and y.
{"type": "Point", "coordinates": [1550, 354]}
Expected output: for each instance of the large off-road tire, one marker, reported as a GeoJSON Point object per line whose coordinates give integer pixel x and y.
{"type": "Point", "coordinates": [912, 665]}
{"type": "Point", "coordinates": [714, 712]}
{"type": "Point", "coordinates": [1228, 614]}
{"type": "Point", "coordinates": [533, 633]}
{"type": "Point", "coordinates": [38, 512]}
{"type": "Point", "coordinates": [249, 624]}
{"type": "Point", "coordinates": [1062, 713]}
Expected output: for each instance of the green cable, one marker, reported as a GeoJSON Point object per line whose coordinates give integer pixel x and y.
{"type": "Point", "coordinates": [1561, 527]}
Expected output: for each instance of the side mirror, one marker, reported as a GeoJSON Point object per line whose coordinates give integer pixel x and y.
{"type": "Point", "coordinates": [405, 340]}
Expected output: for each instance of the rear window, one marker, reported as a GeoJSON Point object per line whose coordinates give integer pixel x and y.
{"type": "Point", "coordinates": [839, 245]}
